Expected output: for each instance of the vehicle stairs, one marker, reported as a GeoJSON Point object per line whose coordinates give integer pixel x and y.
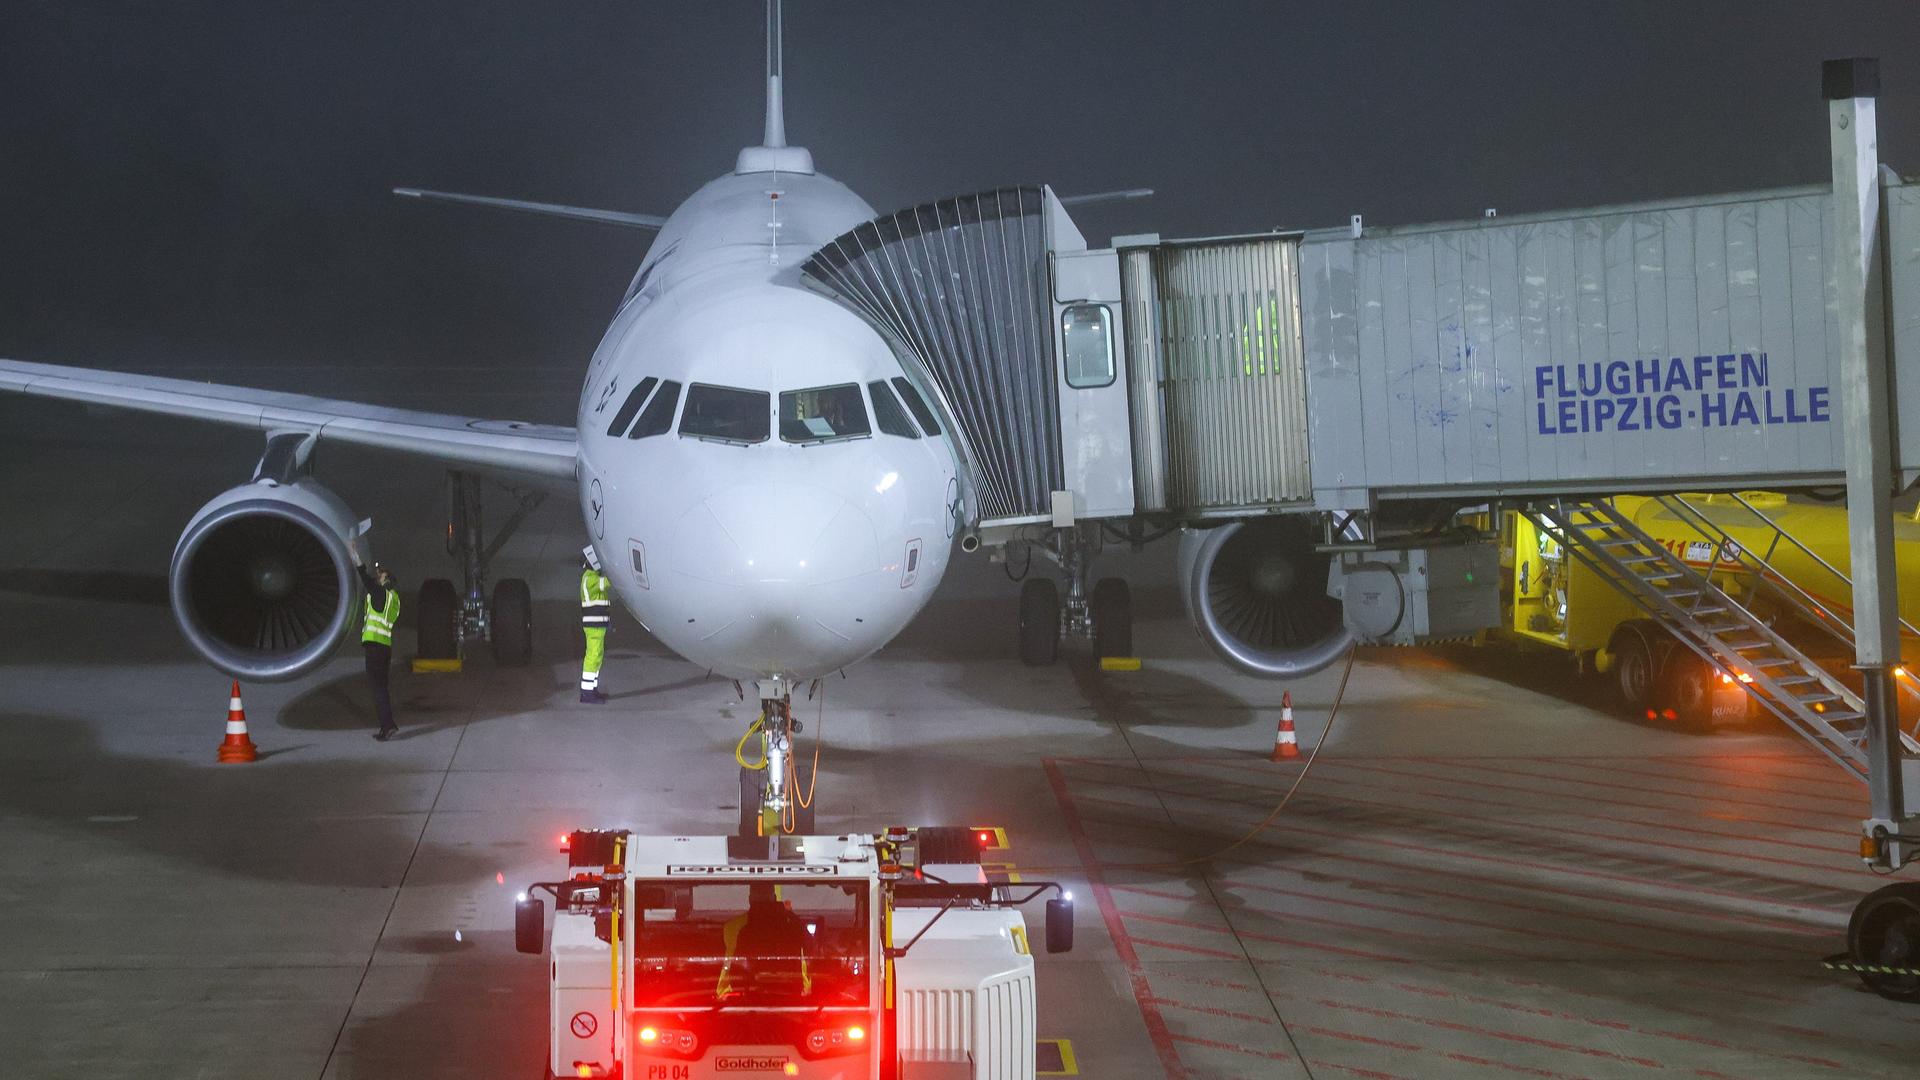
{"type": "Point", "coordinates": [1686, 602]}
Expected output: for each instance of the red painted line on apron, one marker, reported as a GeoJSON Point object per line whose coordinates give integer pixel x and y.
{"type": "Point", "coordinates": [1348, 838]}
{"type": "Point", "coordinates": [1200, 980]}
{"type": "Point", "coordinates": [1258, 936]}
{"type": "Point", "coordinates": [1714, 771]}
{"type": "Point", "coordinates": [1662, 808]}
{"type": "Point", "coordinates": [1353, 1070]}
{"type": "Point", "coordinates": [1584, 811]}
{"type": "Point", "coordinates": [1613, 1025]}
{"type": "Point", "coordinates": [1342, 924]}
{"type": "Point", "coordinates": [1720, 781]}
{"type": "Point", "coordinates": [1492, 1033]}
{"type": "Point", "coordinates": [1195, 949]}
{"type": "Point", "coordinates": [1716, 800]}
{"type": "Point", "coordinates": [1527, 886]}
{"type": "Point", "coordinates": [1369, 929]}
{"type": "Point", "coordinates": [1213, 1044]}
{"type": "Point", "coordinates": [1150, 1017]}
{"type": "Point", "coordinates": [1469, 1059]}
{"type": "Point", "coordinates": [1573, 939]}
{"type": "Point", "coordinates": [1170, 1003]}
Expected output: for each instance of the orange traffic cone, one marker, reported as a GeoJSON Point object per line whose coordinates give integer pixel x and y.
{"type": "Point", "coordinates": [1285, 746]}
{"type": "Point", "coordinates": [237, 747]}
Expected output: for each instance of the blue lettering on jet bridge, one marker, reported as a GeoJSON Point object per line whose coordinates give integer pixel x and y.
{"type": "Point", "coordinates": [1659, 394]}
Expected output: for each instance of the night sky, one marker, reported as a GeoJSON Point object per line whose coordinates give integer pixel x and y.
{"type": "Point", "coordinates": [204, 184]}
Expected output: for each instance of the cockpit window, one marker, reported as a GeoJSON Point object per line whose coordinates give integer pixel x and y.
{"type": "Point", "coordinates": [631, 406]}
{"type": "Point", "coordinates": [917, 405]}
{"type": "Point", "coordinates": [657, 419]}
{"type": "Point", "coordinates": [887, 411]}
{"type": "Point", "coordinates": [726, 413]}
{"type": "Point", "coordinates": [826, 412]}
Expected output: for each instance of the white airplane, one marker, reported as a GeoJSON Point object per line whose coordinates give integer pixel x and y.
{"type": "Point", "coordinates": [766, 487]}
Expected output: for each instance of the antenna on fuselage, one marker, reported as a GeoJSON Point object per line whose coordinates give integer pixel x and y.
{"type": "Point", "coordinates": [773, 154]}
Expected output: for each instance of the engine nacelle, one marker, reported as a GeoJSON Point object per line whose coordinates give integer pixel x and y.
{"type": "Point", "coordinates": [262, 581]}
{"type": "Point", "coordinates": [1257, 592]}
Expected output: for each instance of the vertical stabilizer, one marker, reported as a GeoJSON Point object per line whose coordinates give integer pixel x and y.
{"type": "Point", "coordinates": [776, 135]}
{"type": "Point", "coordinates": [773, 154]}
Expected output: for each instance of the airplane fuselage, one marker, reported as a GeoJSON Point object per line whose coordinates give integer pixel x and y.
{"type": "Point", "coordinates": [791, 545]}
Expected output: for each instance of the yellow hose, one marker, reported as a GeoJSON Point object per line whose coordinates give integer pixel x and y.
{"type": "Point", "coordinates": [739, 748]}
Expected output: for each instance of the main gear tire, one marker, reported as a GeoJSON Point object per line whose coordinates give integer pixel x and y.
{"type": "Point", "coordinates": [1885, 933]}
{"type": "Point", "coordinates": [1039, 622]}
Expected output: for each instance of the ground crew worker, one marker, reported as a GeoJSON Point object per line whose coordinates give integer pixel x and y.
{"type": "Point", "coordinates": [595, 613]}
{"type": "Point", "coordinates": [376, 639]}
{"type": "Point", "coordinates": [772, 940]}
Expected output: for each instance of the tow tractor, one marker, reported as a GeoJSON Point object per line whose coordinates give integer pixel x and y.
{"type": "Point", "coordinates": [889, 956]}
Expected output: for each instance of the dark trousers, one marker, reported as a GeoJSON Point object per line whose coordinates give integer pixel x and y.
{"type": "Point", "coordinates": [379, 657]}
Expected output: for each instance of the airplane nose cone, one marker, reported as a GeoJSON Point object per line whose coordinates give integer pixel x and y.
{"type": "Point", "coordinates": [787, 537]}
{"type": "Point", "coordinates": [780, 563]}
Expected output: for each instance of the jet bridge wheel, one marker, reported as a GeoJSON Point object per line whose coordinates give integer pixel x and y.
{"type": "Point", "coordinates": [1112, 618]}
{"type": "Point", "coordinates": [1039, 622]}
{"type": "Point", "coordinates": [1885, 932]}
{"type": "Point", "coordinates": [437, 627]}
{"type": "Point", "coordinates": [512, 623]}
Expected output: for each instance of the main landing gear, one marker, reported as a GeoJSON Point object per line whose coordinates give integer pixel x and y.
{"type": "Point", "coordinates": [773, 797]}
{"type": "Point", "coordinates": [448, 618]}
{"type": "Point", "coordinates": [1103, 615]}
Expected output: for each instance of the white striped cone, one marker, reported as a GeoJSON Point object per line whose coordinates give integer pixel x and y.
{"type": "Point", "coordinates": [237, 746]}
{"type": "Point", "coordinates": [1285, 746]}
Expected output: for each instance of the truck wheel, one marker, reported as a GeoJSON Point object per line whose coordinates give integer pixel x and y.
{"type": "Point", "coordinates": [512, 623]}
{"type": "Point", "coordinates": [437, 627]}
{"type": "Point", "coordinates": [1688, 688]}
{"type": "Point", "coordinates": [1112, 618]}
{"type": "Point", "coordinates": [1633, 669]}
{"type": "Point", "coordinates": [948, 844]}
{"type": "Point", "coordinates": [1885, 932]}
{"type": "Point", "coordinates": [1039, 622]}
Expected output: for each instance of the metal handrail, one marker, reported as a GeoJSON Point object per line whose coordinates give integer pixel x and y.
{"type": "Point", "coordinates": [1782, 534]}
{"type": "Point", "coordinates": [1839, 626]}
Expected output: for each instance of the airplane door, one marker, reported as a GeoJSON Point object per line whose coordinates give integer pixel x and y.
{"type": "Point", "coordinates": [1096, 436]}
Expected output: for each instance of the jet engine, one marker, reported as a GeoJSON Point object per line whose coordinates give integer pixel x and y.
{"type": "Point", "coordinates": [1257, 592]}
{"type": "Point", "coordinates": [262, 581]}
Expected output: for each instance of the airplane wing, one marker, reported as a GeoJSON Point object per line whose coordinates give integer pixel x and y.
{"type": "Point", "coordinates": [581, 213]}
{"type": "Point", "coordinates": [513, 446]}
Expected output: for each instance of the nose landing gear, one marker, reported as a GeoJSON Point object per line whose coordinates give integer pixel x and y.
{"type": "Point", "coordinates": [772, 798]}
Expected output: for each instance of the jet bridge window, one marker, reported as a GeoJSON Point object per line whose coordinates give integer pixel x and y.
{"type": "Point", "coordinates": [726, 413]}
{"type": "Point", "coordinates": [1086, 349]}
{"type": "Point", "coordinates": [823, 413]}
{"type": "Point", "coordinates": [887, 411]}
{"type": "Point", "coordinates": [631, 406]}
{"type": "Point", "coordinates": [916, 405]}
{"type": "Point", "coordinates": [657, 419]}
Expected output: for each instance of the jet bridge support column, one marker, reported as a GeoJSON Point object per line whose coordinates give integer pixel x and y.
{"type": "Point", "coordinates": [1850, 87]}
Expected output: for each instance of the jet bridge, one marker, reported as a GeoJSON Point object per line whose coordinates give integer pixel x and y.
{"type": "Point", "coordinates": [1311, 408]}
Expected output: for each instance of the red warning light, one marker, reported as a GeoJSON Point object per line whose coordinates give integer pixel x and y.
{"type": "Point", "coordinates": [986, 838]}
{"type": "Point", "coordinates": [1669, 714]}
{"type": "Point", "coordinates": [566, 841]}
{"type": "Point", "coordinates": [1651, 715]}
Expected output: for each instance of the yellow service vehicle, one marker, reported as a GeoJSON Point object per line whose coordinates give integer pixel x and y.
{"type": "Point", "coordinates": [1550, 598]}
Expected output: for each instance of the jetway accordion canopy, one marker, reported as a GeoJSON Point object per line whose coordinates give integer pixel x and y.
{"type": "Point", "coordinates": [960, 285]}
